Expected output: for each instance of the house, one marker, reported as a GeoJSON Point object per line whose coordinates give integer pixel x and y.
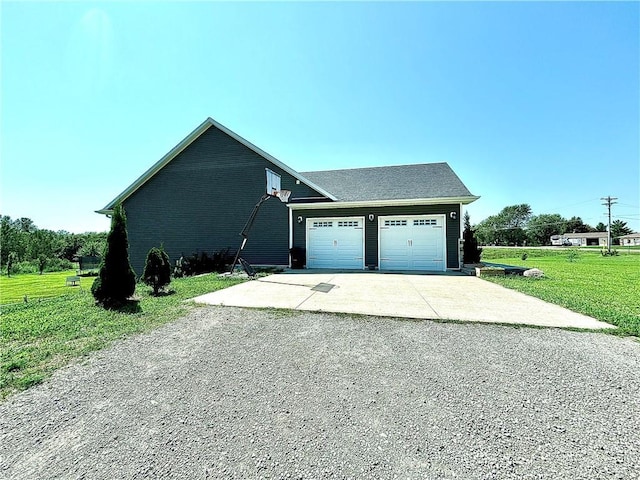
{"type": "Point", "coordinates": [630, 240]}
{"type": "Point", "coordinates": [200, 194]}
{"type": "Point", "coordinates": [581, 239]}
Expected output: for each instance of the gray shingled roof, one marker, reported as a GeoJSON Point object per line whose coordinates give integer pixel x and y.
{"type": "Point", "coordinates": [428, 180]}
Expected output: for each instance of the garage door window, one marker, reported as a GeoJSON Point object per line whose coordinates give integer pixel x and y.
{"type": "Point", "coordinates": [395, 223]}
{"type": "Point", "coordinates": [322, 224]}
{"type": "Point", "coordinates": [425, 221]}
{"type": "Point", "coordinates": [349, 223]}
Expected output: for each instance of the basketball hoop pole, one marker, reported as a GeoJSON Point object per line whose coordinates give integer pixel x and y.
{"type": "Point", "coordinates": [273, 190]}
{"type": "Point", "coordinates": [247, 226]}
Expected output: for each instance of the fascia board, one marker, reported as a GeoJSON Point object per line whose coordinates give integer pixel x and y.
{"type": "Point", "coordinates": [185, 143]}
{"type": "Point", "coordinates": [384, 203]}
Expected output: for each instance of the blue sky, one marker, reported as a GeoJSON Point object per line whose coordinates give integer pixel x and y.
{"type": "Point", "coordinates": [532, 103]}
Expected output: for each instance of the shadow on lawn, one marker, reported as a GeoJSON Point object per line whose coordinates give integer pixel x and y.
{"type": "Point", "coordinates": [129, 306]}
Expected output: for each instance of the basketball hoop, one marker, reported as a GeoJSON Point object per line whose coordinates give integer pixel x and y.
{"type": "Point", "coordinates": [283, 195]}
{"type": "Point", "coordinates": [273, 190]}
{"type": "Point", "coordinates": [273, 187]}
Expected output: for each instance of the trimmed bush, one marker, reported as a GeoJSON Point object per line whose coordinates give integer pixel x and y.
{"type": "Point", "coordinates": [470, 251]}
{"type": "Point", "coordinates": [117, 280]}
{"type": "Point", "coordinates": [157, 269]}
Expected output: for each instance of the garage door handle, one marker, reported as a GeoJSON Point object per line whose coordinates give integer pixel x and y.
{"type": "Point", "coordinates": [335, 243]}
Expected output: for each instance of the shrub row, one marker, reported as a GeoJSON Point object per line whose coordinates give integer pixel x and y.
{"type": "Point", "coordinates": [199, 263]}
{"type": "Point", "coordinates": [52, 265]}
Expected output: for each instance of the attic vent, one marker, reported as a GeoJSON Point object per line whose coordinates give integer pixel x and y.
{"type": "Point", "coordinates": [322, 224]}
{"type": "Point", "coordinates": [395, 223]}
{"type": "Point", "coordinates": [424, 221]}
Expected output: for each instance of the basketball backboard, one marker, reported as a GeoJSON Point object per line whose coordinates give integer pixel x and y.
{"type": "Point", "coordinates": [273, 182]}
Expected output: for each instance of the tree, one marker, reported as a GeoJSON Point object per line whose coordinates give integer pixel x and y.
{"type": "Point", "coordinates": [11, 259]}
{"type": "Point", "coordinates": [116, 281]}
{"type": "Point", "coordinates": [42, 262]}
{"type": "Point", "coordinates": [12, 239]}
{"type": "Point", "coordinates": [157, 269]}
{"type": "Point", "coordinates": [91, 248]}
{"type": "Point", "coordinates": [540, 228]}
{"type": "Point", "coordinates": [505, 228]}
{"type": "Point", "coordinates": [44, 242]}
{"type": "Point", "coordinates": [601, 227]}
{"type": "Point", "coordinates": [26, 225]}
{"type": "Point", "coordinates": [576, 225]}
{"type": "Point", "coordinates": [70, 243]}
{"type": "Point", "coordinates": [618, 229]}
{"type": "Point", "coordinates": [470, 251]}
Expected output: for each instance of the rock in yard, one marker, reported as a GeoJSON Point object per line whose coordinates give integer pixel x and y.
{"type": "Point", "coordinates": [534, 273]}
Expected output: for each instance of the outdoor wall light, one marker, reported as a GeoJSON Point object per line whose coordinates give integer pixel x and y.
{"type": "Point", "coordinates": [371, 217]}
{"type": "Point", "coordinates": [453, 215]}
{"type": "Point", "coordinates": [300, 219]}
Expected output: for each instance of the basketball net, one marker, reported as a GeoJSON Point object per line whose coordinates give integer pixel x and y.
{"type": "Point", "coordinates": [283, 195]}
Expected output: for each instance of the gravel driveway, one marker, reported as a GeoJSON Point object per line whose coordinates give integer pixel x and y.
{"type": "Point", "coordinates": [233, 393]}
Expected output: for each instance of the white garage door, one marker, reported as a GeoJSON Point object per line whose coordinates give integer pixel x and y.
{"type": "Point", "coordinates": [412, 243]}
{"type": "Point", "coordinates": [335, 242]}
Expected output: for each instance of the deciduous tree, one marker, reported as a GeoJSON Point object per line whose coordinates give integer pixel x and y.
{"type": "Point", "coordinates": [505, 228]}
{"type": "Point", "coordinates": [576, 225]}
{"type": "Point", "coordinates": [540, 228]}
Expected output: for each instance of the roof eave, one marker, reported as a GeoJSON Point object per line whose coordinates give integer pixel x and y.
{"type": "Point", "coordinates": [386, 203]}
{"type": "Point", "coordinates": [175, 151]}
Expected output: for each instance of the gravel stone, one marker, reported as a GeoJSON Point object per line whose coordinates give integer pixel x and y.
{"type": "Point", "coordinates": [236, 393]}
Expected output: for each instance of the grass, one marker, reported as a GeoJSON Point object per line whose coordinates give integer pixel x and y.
{"type": "Point", "coordinates": [606, 288]}
{"type": "Point", "coordinates": [14, 288]}
{"type": "Point", "coordinates": [39, 337]}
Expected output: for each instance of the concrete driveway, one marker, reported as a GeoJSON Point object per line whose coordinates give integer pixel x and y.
{"type": "Point", "coordinates": [445, 296]}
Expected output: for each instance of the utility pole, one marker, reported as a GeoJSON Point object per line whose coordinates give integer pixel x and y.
{"type": "Point", "coordinates": [608, 201]}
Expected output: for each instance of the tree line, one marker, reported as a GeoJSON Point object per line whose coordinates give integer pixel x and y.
{"type": "Point", "coordinates": [516, 224]}
{"type": "Point", "coordinates": [25, 248]}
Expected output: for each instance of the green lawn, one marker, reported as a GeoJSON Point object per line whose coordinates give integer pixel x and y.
{"type": "Point", "coordinates": [14, 288]}
{"type": "Point", "coordinates": [38, 337]}
{"type": "Point", "coordinates": [606, 288]}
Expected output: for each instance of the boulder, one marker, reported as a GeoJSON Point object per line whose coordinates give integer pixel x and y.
{"type": "Point", "coordinates": [534, 273]}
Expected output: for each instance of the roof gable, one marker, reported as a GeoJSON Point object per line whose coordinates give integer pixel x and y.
{"type": "Point", "coordinates": [188, 140]}
{"type": "Point", "coordinates": [400, 182]}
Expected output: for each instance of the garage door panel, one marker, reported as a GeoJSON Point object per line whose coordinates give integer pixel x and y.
{"type": "Point", "coordinates": [412, 243]}
{"type": "Point", "coordinates": [335, 243]}
{"type": "Point", "coordinates": [427, 264]}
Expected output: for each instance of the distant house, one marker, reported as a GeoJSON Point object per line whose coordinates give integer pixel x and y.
{"type": "Point", "coordinates": [200, 194]}
{"type": "Point", "coordinates": [581, 239]}
{"type": "Point", "coordinates": [629, 240]}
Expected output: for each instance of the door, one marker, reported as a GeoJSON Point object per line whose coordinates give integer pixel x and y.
{"type": "Point", "coordinates": [335, 242]}
{"type": "Point", "coordinates": [412, 242]}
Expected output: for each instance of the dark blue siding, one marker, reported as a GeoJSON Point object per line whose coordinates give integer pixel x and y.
{"type": "Point", "coordinates": [201, 200]}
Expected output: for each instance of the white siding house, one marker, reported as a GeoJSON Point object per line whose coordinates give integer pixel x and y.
{"type": "Point", "coordinates": [581, 239]}
{"type": "Point", "coordinates": [629, 240]}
